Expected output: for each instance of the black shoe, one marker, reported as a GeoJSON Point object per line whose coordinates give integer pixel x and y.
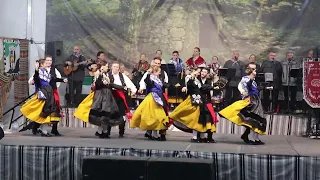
{"type": "Point", "coordinates": [203, 140]}
{"type": "Point", "coordinates": [195, 140]}
{"type": "Point", "coordinates": [259, 142]}
{"type": "Point", "coordinates": [147, 136]}
{"type": "Point", "coordinates": [162, 137]}
{"type": "Point", "coordinates": [245, 139]}
{"type": "Point", "coordinates": [97, 134]}
{"type": "Point", "coordinates": [56, 133]}
{"type": "Point", "coordinates": [210, 140]}
{"type": "Point", "coordinates": [103, 135]}
{"type": "Point", "coordinates": [35, 131]}
{"type": "Point", "coordinates": [45, 134]}
{"type": "Point", "coordinates": [121, 136]}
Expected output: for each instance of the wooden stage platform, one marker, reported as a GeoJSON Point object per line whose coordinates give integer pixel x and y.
{"type": "Point", "coordinates": [25, 156]}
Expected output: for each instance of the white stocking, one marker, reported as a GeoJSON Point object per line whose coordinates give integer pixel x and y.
{"type": "Point", "coordinates": [256, 137]}
{"type": "Point", "coordinates": [105, 128]}
{"type": "Point", "coordinates": [194, 134]}
{"type": "Point", "coordinates": [155, 134]}
{"type": "Point", "coordinates": [251, 135]}
{"type": "Point", "coordinates": [100, 129]}
{"type": "Point", "coordinates": [44, 128]}
{"type": "Point", "coordinates": [203, 135]}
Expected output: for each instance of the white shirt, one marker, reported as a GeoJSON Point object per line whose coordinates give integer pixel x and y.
{"type": "Point", "coordinates": [58, 75]}
{"type": "Point", "coordinates": [128, 82]}
{"type": "Point", "coordinates": [143, 85]}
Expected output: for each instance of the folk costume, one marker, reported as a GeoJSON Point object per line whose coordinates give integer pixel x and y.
{"type": "Point", "coordinates": [192, 63]}
{"type": "Point", "coordinates": [55, 83]}
{"type": "Point", "coordinates": [163, 76]}
{"type": "Point", "coordinates": [123, 87]}
{"type": "Point", "coordinates": [247, 112]}
{"type": "Point", "coordinates": [99, 107]}
{"type": "Point", "coordinates": [152, 113]}
{"type": "Point", "coordinates": [196, 114]}
{"type": "Point", "coordinates": [42, 108]}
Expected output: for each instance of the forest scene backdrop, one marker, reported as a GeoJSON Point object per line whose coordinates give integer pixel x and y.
{"type": "Point", "coordinates": [126, 28]}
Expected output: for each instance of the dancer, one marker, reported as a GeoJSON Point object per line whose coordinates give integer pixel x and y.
{"type": "Point", "coordinates": [195, 114]}
{"type": "Point", "coordinates": [248, 112]}
{"type": "Point", "coordinates": [55, 75]}
{"type": "Point", "coordinates": [42, 107]}
{"type": "Point", "coordinates": [151, 114]}
{"type": "Point", "coordinates": [120, 93]}
{"type": "Point", "coordinates": [100, 107]}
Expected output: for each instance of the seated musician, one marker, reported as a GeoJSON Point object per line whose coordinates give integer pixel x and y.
{"type": "Point", "coordinates": [138, 71]}
{"type": "Point", "coordinates": [176, 79]}
{"type": "Point", "coordinates": [196, 60]}
{"type": "Point", "coordinates": [214, 66]}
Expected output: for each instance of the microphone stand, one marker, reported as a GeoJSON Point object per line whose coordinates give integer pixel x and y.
{"type": "Point", "coordinates": [288, 90]}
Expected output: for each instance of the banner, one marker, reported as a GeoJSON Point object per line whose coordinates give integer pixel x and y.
{"type": "Point", "coordinates": [11, 55]}
{"type": "Point", "coordinates": [124, 29]}
{"type": "Point", "coordinates": [311, 83]}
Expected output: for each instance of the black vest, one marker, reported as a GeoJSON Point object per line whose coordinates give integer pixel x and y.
{"type": "Point", "coordinates": [120, 76]}
{"type": "Point", "coordinates": [53, 83]}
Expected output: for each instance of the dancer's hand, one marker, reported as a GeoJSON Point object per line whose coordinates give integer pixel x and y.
{"type": "Point", "coordinates": [140, 91]}
{"type": "Point", "coordinates": [184, 89]}
{"type": "Point", "coordinates": [65, 80]}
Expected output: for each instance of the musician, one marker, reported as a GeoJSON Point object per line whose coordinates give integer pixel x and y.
{"type": "Point", "coordinates": [252, 59]}
{"type": "Point", "coordinates": [176, 79]}
{"type": "Point", "coordinates": [76, 78]}
{"type": "Point", "coordinates": [101, 59]}
{"type": "Point", "coordinates": [310, 56]}
{"type": "Point", "coordinates": [214, 66]}
{"type": "Point", "coordinates": [140, 68]}
{"type": "Point", "coordinates": [196, 60]}
{"type": "Point", "coordinates": [196, 113]}
{"type": "Point", "coordinates": [159, 55]}
{"type": "Point", "coordinates": [275, 67]}
{"type": "Point", "coordinates": [121, 94]}
{"type": "Point", "coordinates": [164, 78]}
{"type": "Point", "coordinates": [289, 84]}
{"type": "Point", "coordinates": [124, 71]}
{"type": "Point", "coordinates": [232, 92]}
{"type": "Point", "coordinates": [214, 71]}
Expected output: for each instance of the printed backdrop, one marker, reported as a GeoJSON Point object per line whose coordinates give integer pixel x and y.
{"type": "Point", "coordinates": [126, 28]}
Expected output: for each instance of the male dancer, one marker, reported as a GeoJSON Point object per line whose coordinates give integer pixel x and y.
{"type": "Point", "coordinates": [121, 95]}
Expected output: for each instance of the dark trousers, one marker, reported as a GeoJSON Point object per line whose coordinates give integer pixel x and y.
{"type": "Point", "coordinates": [293, 97]}
{"type": "Point", "coordinates": [121, 128]}
{"type": "Point", "coordinates": [266, 101]}
{"type": "Point", "coordinates": [232, 95]}
{"type": "Point", "coordinates": [75, 90]}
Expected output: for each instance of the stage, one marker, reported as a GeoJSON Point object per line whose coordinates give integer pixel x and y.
{"type": "Point", "coordinates": [24, 156]}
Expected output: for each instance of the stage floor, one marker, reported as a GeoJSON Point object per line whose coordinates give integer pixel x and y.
{"type": "Point", "coordinates": [178, 141]}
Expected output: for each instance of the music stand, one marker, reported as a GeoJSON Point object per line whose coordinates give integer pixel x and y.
{"type": "Point", "coordinates": [268, 77]}
{"type": "Point", "coordinates": [260, 79]}
{"type": "Point", "coordinates": [223, 72]}
{"type": "Point", "coordinates": [170, 69]}
{"type": "Point", "coordinates": [295, 73]}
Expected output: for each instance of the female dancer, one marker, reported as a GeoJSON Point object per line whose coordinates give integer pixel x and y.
{"type": "Point", "coordinates": [248, 112]}
{"type": "Point", "coordinates": [195, 114]}
{"type": "Point", "coordinates": [99, 107]}
{"type": "Point", "coordinates": [42, 107]}
{"type": "Point", "coordinates": [152, 113]}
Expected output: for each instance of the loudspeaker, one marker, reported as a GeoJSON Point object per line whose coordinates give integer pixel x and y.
{"type": "Point", "coordinates": [180, 168]}
{"type": "Point", "coordinates": [114, 167]}
{"type": "Point", "coordinates": [55, 49]}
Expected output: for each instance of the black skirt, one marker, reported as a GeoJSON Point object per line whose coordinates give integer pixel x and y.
{"type": "Point", "coordinates": [253, 114]}
{"type": "Point", "coordinates": [104, 109]}
{"type": "Point", "coordinates": [50, 107]}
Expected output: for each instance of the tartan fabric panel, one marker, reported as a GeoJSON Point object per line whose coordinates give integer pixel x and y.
{"type": "Point", "coordinates": [65, 163]}
{"type": "Point", "coordinates": [276, 124]}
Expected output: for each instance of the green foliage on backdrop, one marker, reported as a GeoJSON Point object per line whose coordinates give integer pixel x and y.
{"type": "Point", "coordinates": [126, 28]}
